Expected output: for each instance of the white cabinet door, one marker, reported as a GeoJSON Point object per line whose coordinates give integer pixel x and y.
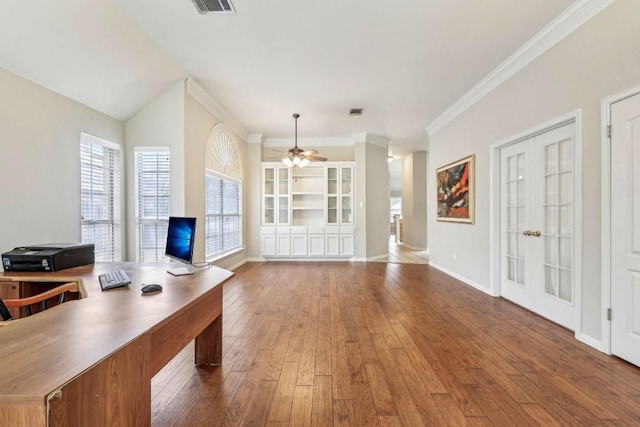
{"type": "Point", "coordinates": [283, 244]}
{"type": "Point", "coordinates": [332, 244]}
{"type": "Point", "coordinates": [284, 200]}
{"type": "Point", "coordinates": [299, 244]}
{"type": "Point", "coordinates": [347, 245]}
{"type": "Point", "coordinates": [316, 244]}
{"type": "Point", "coordinates": [268, 244]}
{"type": "Point", "coordinates": [268, 196]}
{"type": "Point", "coordinates": [346, 195]}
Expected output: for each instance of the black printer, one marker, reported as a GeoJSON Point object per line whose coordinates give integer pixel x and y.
{"type": "Point", "coordinates": [48, 257]}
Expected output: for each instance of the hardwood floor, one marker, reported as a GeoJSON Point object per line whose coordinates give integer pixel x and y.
{"type": "Point", "coordinates": [325, 344]}
{"type": "Point", "coordinates": [399, 253]}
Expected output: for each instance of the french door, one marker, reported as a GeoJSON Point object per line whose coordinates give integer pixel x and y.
{"type": "Point", "coordinates": [625, 229]}
{"type": "Point", "coordinates": [536, 211]}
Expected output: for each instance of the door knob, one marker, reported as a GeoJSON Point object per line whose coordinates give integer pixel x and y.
{"type": "Point", "coordinates": [536, 233]}
{"type": "Point", "coordinates": [527, 233]}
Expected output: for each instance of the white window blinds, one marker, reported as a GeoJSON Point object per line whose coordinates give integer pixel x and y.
{"type": "Point", "coordinates": [100, 196]}
{"type": "Point", "coordinates": [153, 198]}
{"type": "Point", "coordinates": [223, 232]}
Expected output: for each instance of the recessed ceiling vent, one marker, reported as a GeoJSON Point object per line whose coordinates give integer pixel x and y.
{"type": "Point", "coordinates": [214, 6]}
{"type": "Point", "coordinates": [355, 112]}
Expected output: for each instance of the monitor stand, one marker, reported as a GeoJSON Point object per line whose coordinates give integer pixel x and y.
{"type": "Point", "coordinates": [182, 270]}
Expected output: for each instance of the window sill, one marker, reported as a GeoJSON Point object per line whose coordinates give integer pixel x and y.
{"type": "Point", "coordinates": [224, 255]}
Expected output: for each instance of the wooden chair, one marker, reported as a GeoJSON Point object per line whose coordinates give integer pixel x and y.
{"type": "Point", "coordinates": [27, 302]}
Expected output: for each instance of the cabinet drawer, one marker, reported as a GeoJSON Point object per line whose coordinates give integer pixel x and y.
{"type": "Point", "coordinates": [267, 230]}
{"type": "Point", "coordinates": [283, 230]}
{"type": "Point", "coordinates": [347, 229]}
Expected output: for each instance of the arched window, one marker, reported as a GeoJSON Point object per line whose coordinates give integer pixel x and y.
{"type": "Point", "coordinates": [223, 194]}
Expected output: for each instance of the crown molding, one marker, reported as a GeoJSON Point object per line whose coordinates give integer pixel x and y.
{"type": "Point", "coordinates": [564, 24]}
{"type": "Point", "coordinates": [254, 138]}
{"type": "Point", "coordinates": [309, 142]}
{"type": "Point", "coordinates": [202, 96]}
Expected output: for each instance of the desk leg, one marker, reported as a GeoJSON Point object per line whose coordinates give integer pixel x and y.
{"type": "Point", "coordinates": [209, 344]}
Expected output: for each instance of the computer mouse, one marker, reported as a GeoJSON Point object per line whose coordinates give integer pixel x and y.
{"type": "Point", "coordinates": [151, 288]}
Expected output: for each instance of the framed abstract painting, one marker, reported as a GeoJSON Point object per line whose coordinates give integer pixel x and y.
{"type": "Point", "coordinates": [456, 191]}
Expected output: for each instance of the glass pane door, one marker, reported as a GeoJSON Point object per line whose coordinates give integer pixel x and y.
{"type": "Point", "coordinates": [269, 199]}
{"type": "Point", "coordinates": [515, 218]}
{"type": "Point", "coordinates": [558, 224]}
{"type": "Point", "coordinates": [332, 195]}
{"type": "Point", "coordinates": [346, 184]}
{"type": "Point", "coordinates": [283, 196]}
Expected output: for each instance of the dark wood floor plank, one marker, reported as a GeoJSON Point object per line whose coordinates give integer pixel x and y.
{"type": "Point", "coordinates": [404, 400]}
{"type": "Point", "coordinates": [306, 369]}
{"type": "Point", "coordinates": [302, 406]}
{"type": "Point", "coordinates": [363, 406]}
{"type": "Point", "coordinates": [281, 407]}
{"type": "Point", "coordinates": [322, 406]}
{"type": "Point", "coordinates": [321, 344]}
{"type": "Point", "coordinates": [343, 412]}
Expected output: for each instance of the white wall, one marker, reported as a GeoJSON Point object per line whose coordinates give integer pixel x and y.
{"type": "Point", "coordinates": [371, 202]}
{"type": "Point", "coordinates": [376, 200]}
{"type": "Point", "coordinates": [360, 213]}
{"type": "Point", "coordinates": [160, 124]}
{"type": "Point", "coordinates": [414, 201]}
{"type": "Point", "coordinates": [253, 200]}
{"type": "Point", "coordinates": [40, 162]}
{"type": "Point", "coordinates": [596, 61]}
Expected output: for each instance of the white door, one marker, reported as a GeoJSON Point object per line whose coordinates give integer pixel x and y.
{"type": "Point", "coordinates": [625, 229]}
{"type": "Point", "coordinates": [537, 224]}
{"type": "Point", "coordinates": [516, 200]}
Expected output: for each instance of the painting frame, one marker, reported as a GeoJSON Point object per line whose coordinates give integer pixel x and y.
{"type": "Point", "coordinates": [455, 191]}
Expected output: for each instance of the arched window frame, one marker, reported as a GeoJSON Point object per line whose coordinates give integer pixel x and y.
{"type": "Point", "coordinates": [223, 194]}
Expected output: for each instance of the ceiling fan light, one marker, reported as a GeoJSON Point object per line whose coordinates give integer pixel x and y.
{"type": "Point", "coordinates": [287, 161]}
{"type": "Point", "coordinates": [304, 162]}
{"type": "Point", "coordinates": [296, 161]}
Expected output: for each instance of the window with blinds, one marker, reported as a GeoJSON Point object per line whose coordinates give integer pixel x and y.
{"type": "Point", "coordinates": [223, 231]}
{"type": "Point", "coordinates": [153, 198]}
{"type": "Point", "coordinates": [100, 196]}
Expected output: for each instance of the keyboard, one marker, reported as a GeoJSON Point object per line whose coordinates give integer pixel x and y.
{"type": "Point", "coordinates": [114, 279]}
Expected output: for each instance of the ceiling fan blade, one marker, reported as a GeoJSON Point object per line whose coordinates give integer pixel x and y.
{"type": "Point", "coordinates": [316, 158]}
{"type": "Point", "coordinates": [310, 152]}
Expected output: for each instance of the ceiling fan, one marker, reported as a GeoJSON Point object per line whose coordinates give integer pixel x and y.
{"type": "Point", "coordinates": [297, 157]}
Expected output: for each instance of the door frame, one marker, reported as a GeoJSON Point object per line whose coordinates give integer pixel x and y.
{"type": "Point", "coordinates": [494, 207]}
{"type": "Point", "coordinates": [605, 214]}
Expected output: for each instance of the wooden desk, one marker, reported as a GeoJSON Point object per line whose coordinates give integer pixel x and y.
{"type": "Point", "coordinates": [90, 361]}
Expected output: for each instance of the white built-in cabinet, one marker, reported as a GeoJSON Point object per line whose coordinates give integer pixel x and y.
{"type": "Point", "coordinates": [308, 212]}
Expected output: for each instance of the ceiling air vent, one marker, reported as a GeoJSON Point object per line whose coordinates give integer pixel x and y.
{"type": "Point", "coordinates": [214, 6]}
{"type": "Point", "coordinates": [355, 112]}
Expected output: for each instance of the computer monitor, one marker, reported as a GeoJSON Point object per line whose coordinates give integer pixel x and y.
{"type": "Point", "coordinates": [180, 237]}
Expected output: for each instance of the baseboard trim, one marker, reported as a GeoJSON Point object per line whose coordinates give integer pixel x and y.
{"type": "Point", "coordinates": [463, 279]}
{"type": "Point", "coordinates": [413, 248]}
{"type": "Point", "coordinates": [591, 342]}
{"type": "Point", "coordinates": [281, 259]}
{"type": "Point", "coordinates": [377, 257]}
{"type": "Point", "coordinates": [241, 263]}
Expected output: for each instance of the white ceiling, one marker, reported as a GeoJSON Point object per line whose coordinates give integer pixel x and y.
{"type": "Point", "coordinates": [404, 62]}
